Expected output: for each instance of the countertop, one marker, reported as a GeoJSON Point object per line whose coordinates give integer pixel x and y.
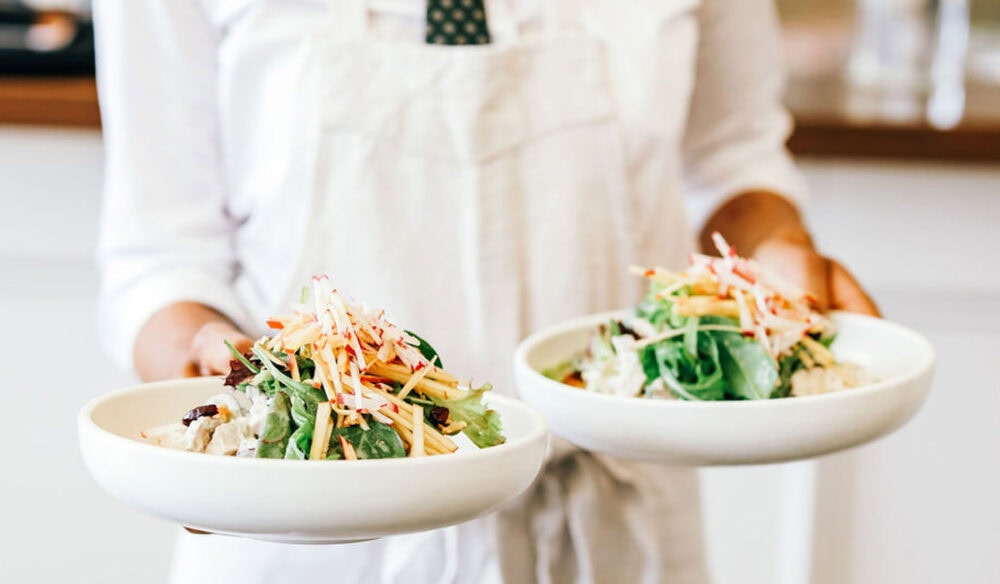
{"type": "Point", "coordinates": [832, 120]}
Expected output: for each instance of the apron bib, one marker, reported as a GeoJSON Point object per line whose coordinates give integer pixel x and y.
{"type": "Point", "coordinates": [476, 193]}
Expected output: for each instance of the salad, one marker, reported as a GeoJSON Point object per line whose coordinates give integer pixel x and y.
{"type": "Point", "coordinates": [725, 329]}
{"type": "Point", "coordinates": [337, 380]}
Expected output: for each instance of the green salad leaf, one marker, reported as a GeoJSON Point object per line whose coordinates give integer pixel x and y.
{"type": "Point", "coordinates": [378, 441]}
{"type": "Point", "coordinates": [304, 391]}
{"type": "Point", "coordinates": [483, 425]}
{"type": "Point", "coordinates": [299, 442]}
{"type": "Point", "coordinates": [426, 349]}
{"type": "Point", "coordinates": [696, 376]}
{"type": "Point", "coordinates": [277, 428]}
{"type": "Point", "coordinates": [303, 412]}
{"type": "Point", "coordinates": [560, 371]}
{"type": "Point", "coordinates": [749, 370]}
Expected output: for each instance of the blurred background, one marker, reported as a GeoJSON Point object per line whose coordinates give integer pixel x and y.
{"type": "Point", "coordinates": [897, 105]}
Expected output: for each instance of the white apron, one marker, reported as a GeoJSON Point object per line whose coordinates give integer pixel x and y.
{"type": "Point", "coordinates": [479, 193]}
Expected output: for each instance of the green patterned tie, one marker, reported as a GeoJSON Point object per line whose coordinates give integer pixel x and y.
{"type": "Point", "coordinates": [457, 22]}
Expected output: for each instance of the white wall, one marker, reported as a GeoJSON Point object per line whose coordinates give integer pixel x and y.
{"type": "Point", "coordinates": [922, 504]}
{"type": "Point", "coordinates": [919, 506]}
{"type": "Point", "coordinates": [56, 525]}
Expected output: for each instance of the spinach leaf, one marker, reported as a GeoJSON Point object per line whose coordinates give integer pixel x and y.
{"type": "Point", "coordinates": [303, 412]}
{"type": "Point", "coordinates": [425, 348]}
{"type": "Point", "coordinates": [749, 370]}
{"type": "Point", "coordinates": [650, 366]}
{"type": "Point", "coordinates": [299, 442]}
{"type": "Point", "coordinates": [378, 441]}
{"type": "Point", "coordinates": [277, 427]}
{"type": "Point", "coordinates": [307, 368]}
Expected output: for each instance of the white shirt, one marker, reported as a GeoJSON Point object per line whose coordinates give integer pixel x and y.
{"type": "Point", "coordinates": [478, 193]}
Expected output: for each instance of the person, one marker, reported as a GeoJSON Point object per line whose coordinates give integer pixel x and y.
{"type": "Point", "coordinates": [477, 185]}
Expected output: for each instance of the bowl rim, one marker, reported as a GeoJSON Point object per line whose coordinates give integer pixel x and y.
{"type": "Point", "coordinates": [574, 325]}
{"type": "Point", "coordinates": [538, 430]}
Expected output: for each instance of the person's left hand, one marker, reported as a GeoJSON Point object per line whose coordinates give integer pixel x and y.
{"type": "Point", "coordinates": [794, 258]}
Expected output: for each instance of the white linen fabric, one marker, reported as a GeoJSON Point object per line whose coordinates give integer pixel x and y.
{"type": "Point", "coordinates": [477, 193]}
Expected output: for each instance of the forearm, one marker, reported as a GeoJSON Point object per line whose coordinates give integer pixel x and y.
{"type": "Point", "coordinates": [163, 348]}
{"type": "Point", "coordinates": [750, 218]}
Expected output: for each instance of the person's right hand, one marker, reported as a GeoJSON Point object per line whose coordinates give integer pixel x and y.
{"type": "Point", "coordinates": [209, 354]}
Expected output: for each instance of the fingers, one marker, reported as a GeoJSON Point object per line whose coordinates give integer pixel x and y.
{"type": "Point", "coordinates": [197, 531]}
{"type": "Point", "coordinates": [799, 265]}
{"type": "Point", "coordinates": [847, 294]}
{"type": "Point", "coordinates": [217, 357]}
{"type": "Point", "coordinates": [826, 280]}
{"type": "Point", "coordinates": [209, 353]}
{"type": "Point", "coordinates": [815, 279]}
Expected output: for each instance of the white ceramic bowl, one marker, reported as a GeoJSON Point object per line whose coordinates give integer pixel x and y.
{"type": "Point", "coordinates": [298, 501]}
{"type": "Point", "coordinates": [733, 432]}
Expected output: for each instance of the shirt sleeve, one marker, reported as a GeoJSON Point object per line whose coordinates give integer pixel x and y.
{"type": "Point", "coordinates": [165, 234]}
{"type": "Point", "coordinates": [737, 125]}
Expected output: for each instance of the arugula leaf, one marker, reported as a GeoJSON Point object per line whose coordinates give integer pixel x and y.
{"type": "Point", "coordinates": [483, 425]}
{"type": "Point", "coordinates": [378, 441]}
{"type": "Point", "coordinates": [692, 377]}
{"type": "Point", "coordinates": [239, 357]}
{"type": "Point", "coordinates": [304, 391]}
{"type": "Point", "coordinates": [691, 337]}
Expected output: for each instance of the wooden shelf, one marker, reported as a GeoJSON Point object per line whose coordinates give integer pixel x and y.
{"type": "Point", "coordinates": [45, 101]}
{"type": "Point", "coordinates": [833, 119]}
{"type": "Point", "coordinates": [825, 125]}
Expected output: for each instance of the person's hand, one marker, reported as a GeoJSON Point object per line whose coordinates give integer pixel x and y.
{"type": "Point", "coordinates": [769, 228]}
{"type": "Point", "coordinates": [792, 256]}
{"type": "Point", "coordinates": [209, 354]}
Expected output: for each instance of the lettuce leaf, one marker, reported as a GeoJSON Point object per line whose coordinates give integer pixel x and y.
{"type": "Point", "coordinates": [483, 425]}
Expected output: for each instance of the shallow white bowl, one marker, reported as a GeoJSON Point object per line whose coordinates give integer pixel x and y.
{"type": "Point", "coordinates": [733, 432]}
{"type": "Point", "coordinates": [297, 501]}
